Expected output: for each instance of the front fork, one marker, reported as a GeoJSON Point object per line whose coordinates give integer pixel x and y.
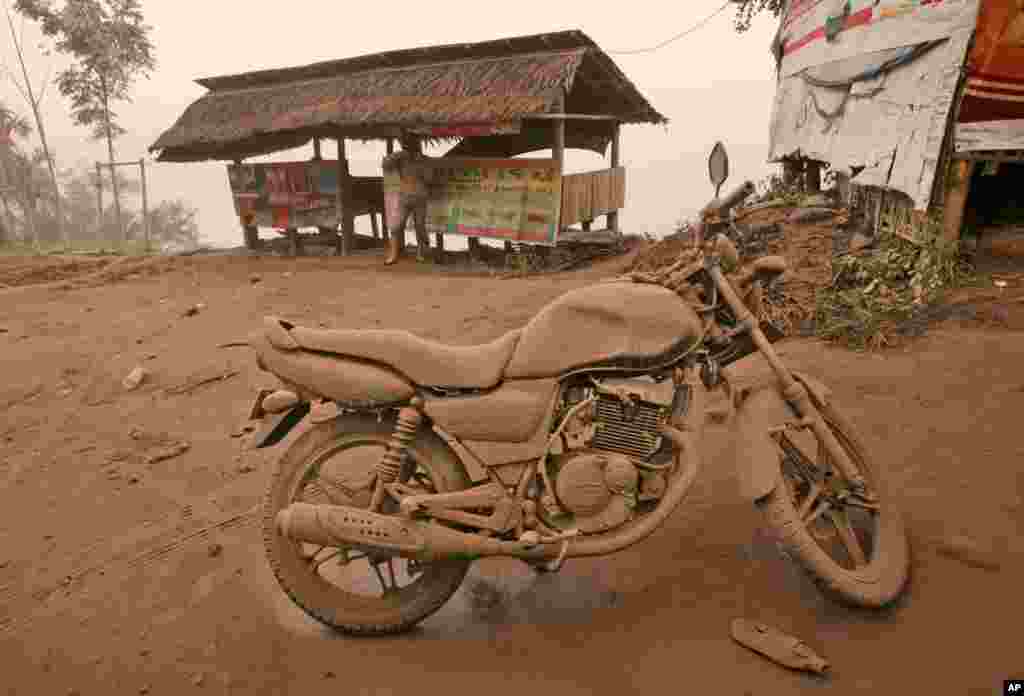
{"type": "Point", "coordinates": [792, 389]}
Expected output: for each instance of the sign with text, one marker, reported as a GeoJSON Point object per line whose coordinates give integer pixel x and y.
{"type": "Point", "coordinates": [516, 200]}
{"type": "Point", "coordinates": [286, 194]}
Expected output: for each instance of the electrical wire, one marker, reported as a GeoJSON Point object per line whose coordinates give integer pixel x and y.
{"type": "Point", "coordinates": [678, 36]}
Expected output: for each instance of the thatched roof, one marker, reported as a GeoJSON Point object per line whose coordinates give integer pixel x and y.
{"type": "Point", "coordinates": [377, 95]}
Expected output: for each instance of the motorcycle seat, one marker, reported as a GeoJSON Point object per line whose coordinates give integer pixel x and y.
{"type": "Point", "coordinates": [424, 362]}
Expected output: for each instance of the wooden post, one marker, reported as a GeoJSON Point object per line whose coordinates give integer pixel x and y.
{"type": "Point", "coordinates": [145, 201]}
{"type": "Point", "coordinates": [474, 248]}
{"type": "Point", "coordinates": [843, 188]}
{"type": "Point", "coordinates": [345, 201]}
{"type": "Point", "coordinates": [385, 233]}
{"type": "Point", "coordinates": [293, 239]}
{"type": "Point", "coordinates": [99, 199]}
{"type": "Point", "coordinates": [612, 217]}
{"type": "Point", "coordinates": [316, 149]}
{"type": "Point", "coordinates": [812, 176]}
{"type": "Point", "coordinates": [959, 185]}
{"type": "Point", "coordinates": [252, 236]}
{"type": "Point", "coordinates": [373, 225]}
{"type": "Point", "coordinates": [250, 233]}
{"type": "Point", "coordinates": [791, 173]}
{"type": "Point", "coordinates": [558, 151]}
{"type": "Point", "coordinates": [439, 247]}
{"type": "Point", "coordinates": [558, 147]}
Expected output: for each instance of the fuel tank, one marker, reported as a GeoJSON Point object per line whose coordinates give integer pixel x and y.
{"type": "Point", "coordinates": [625, 325]}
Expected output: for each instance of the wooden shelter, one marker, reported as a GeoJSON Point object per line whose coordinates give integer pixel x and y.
{"type": "Point", "coordinates": [903, 100]}
{"type": "Point", "coordinates": [497, 99]}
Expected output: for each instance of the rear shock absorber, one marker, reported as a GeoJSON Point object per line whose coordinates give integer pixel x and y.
{"type": "Point", "coordinates": [390, 464]}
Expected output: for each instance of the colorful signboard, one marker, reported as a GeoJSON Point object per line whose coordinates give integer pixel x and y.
{"type": "Point", "coordinates": [816, 32]}
{"type": "Point", "coordinates": [517, 200]}
{"type": "Point", "coordinates": [995, 67]}
{"type": "Point", "coordinates": [286, 194]}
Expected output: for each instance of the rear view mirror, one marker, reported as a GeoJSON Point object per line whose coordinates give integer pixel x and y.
{"type": "Point", "coordinates": [718, 166]}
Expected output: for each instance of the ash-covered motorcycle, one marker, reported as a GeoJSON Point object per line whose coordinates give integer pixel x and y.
{"type": "Point", "coordinates": [596, 407]}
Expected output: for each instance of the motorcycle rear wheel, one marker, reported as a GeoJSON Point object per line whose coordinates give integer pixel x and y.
{"type": "Point", "coordinates": [310, 579]}
{"type": "Point", "coordinates": [863, 565]}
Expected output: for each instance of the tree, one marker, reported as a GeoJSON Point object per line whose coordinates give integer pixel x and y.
{"type": "Point", "coordinates": [80, 203]}
{"type": "Point", "coordinates": [173, 222]}
{"type": "Point", "coordinates": [35, 99]}
{"type": "Point", "coordinates": [81, 187]}
{"type": "Point", "coordinates": [111, 48]}
{"type": "Point", "coordinates": [11, 124]}
{"type": "Point", "coordinates": [746, 10]}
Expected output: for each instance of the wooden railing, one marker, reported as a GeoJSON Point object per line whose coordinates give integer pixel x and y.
{"type": "Point", "coordinates": [590, 194]}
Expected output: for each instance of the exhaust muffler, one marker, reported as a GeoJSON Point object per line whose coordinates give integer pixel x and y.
{"type": "Point", "coordinates": [337, 525]}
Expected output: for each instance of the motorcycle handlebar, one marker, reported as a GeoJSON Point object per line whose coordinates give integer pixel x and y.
{"type": "Point", "coordinates": [730, 200]}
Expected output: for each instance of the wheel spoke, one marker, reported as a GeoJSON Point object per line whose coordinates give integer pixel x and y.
{"type": "Point", "coordinates": [824, 507]}
{"type": "Point", "coordinates": [424, 481]}
{"type": "Point", "coordinates": [391, 573]}
{"type": "Point", "coordinates": [314, 493]}
{"type": "Point", "coordinates": [848, 537]}
{"type": "Point", "coordinates": [386, 589]}
{"type": "Point", "coordinates": [853, 502]}
{"type": "Point", "coordinates": [328, 557]}
{"type": "Point", "coordinates": [800, 462]}
{"type": "Point", "coordinates": [808, 503]}
{"type": "Point", "coordinates": [312, 557]}
{"type": "Point", "coordinates": [321, 561]}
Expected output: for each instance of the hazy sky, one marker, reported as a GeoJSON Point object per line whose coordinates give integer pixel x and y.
{"type": "Point", "coordinates": [713, 84]}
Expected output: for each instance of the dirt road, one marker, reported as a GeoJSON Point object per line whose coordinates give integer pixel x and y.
{"type": "Point", "coordinates": [121, 574]}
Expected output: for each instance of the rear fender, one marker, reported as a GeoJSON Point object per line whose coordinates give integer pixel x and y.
{"type": "Point", "coordinates": [276, 426]}
{"type": "Point", "coordinates": [759, 409]}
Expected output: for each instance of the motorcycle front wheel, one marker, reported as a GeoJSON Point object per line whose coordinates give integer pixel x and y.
{"type": "Point", "coordinates": [352, 591]}
{"type": "Point", "coordinates": [854, 547]}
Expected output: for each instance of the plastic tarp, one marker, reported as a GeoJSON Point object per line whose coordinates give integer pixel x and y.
{"type": "Point", "coordinates": [868, 26]}
{"type": "Point", "coordinates": [991, 114]}
{"type": "Point", "coordinates": [878, 95]}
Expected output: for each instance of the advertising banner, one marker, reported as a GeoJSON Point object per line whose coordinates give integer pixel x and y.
{"type": "Point", "coordinates": [517, 200]}
{"type": "Point", "coordinates": [286, 194]}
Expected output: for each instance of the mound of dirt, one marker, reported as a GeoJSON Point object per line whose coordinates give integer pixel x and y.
{"type": "Point", "coordinates": [807, 248]}
{"type": "Point", "coordinates": [654, 256]}
{"type": "Point", "coordinates": [16, 271]}
{"type": "Point", "coordinates": [141, 266]}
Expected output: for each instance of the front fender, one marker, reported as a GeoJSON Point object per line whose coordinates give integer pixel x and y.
{"type": "Point", "coordinates": [819, 392]}
{"type": "Point", "coordinates": [756, 454]}
{"type": "Point", "coordinates": [759, 409]}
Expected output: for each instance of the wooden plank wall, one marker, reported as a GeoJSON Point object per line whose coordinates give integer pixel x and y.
{"type": "Point", "coordinates": [590, 194]}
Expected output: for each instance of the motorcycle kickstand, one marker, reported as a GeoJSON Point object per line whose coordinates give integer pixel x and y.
{"type": "Point", "coordinates": [544, 567]}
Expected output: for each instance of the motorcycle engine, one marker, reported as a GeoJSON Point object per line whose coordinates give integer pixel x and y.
{"type": "Point", "coordinates": [600, 478]}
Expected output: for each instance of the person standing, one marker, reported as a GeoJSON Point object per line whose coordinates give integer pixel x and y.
{"type": "Point", "coordinates": [413, 168]}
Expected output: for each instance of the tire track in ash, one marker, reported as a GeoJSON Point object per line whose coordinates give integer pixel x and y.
{"type": "Point", "coordinates": [21, 606]}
